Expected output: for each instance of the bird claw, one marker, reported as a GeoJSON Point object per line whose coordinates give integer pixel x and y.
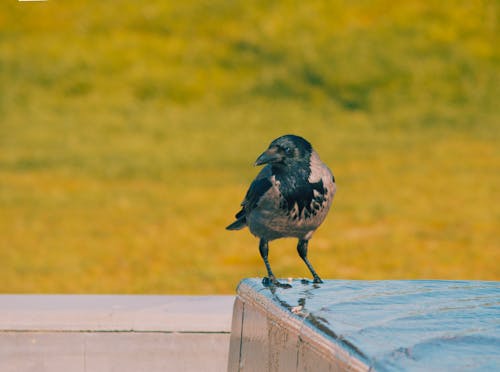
{"type": "Point", "coordinates": [267, 282]}
{"type": "Point", "coordinates": [307, 282]}
{"type": "Point", "coordinates": [317, 280]}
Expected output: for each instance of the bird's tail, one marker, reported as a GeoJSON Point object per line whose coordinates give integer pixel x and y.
{"type": "Point", "coordinates": [238, 224]}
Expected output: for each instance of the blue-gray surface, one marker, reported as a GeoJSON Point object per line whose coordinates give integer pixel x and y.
{"type": "Point", "coordinates": [403, 325]}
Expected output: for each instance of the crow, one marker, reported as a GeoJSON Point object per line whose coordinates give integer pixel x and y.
{"type": "Point", "coordinates": [290, 197]}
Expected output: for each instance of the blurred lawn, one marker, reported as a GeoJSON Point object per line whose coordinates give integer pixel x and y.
{"type": "Point", "coordinates": [128, 132]}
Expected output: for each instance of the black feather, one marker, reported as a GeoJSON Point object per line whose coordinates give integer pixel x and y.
{"type": "Point", "coordinates": [237, 225]}
{"type": "Point", "coordinates": [258, 188]}
{"type": "Point", "coordinates": [296, 189]}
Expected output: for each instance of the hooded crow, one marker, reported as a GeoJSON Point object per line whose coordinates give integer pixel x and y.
{"type": "Point", "coordinates": [290, 197]}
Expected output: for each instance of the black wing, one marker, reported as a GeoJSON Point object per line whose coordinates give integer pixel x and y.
{"type": "Point", "coordinates": [258, 188]}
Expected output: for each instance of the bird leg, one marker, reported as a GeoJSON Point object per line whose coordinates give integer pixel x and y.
{"type": "Point", "coordinates": [264, 251]}
{"type": "Point", "coordinates": [270, 279]}
{"type": "Point", "coordinates": [302, 249]}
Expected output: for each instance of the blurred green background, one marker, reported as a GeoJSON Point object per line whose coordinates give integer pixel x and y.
{"type": "Point", "coordinates": [128, 131]}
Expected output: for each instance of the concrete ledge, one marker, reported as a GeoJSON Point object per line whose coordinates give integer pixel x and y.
{"type": "Point", "coordinates": [114, 333]}
{"type": "Point", "coordinates": [268, 336]}
{"type": "Point", "coordinates": [366, 325]}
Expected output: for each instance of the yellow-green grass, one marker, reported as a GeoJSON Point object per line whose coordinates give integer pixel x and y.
{"type": "Point", "coordinates": [128, 133]}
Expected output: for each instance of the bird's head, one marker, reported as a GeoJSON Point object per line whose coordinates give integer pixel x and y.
{"type": "Point", "coordinates": [285, 151]}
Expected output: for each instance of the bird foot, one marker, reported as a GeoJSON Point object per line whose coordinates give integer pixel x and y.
{"type": "Point", "coordinates": [317, 280]}
{"type": "Point", "coordinates": [272, 281]}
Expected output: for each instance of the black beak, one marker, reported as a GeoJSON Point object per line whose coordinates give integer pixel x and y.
{"type": "Point", "coordinates": [271, 155]}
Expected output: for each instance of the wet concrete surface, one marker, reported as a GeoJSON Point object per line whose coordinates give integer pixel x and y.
{"type": "Point", "coordinates": [382, 325]}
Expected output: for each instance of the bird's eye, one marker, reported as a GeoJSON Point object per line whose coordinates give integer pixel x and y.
{"type": "Point", "coordinates": [288, 151]}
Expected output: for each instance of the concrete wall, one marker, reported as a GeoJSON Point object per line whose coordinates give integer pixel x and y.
{"type": "Point", "coordinates": [114, 333]}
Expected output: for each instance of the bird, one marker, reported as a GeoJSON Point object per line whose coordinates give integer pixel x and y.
{"type": "Point", "coordinates": [289, 198]}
